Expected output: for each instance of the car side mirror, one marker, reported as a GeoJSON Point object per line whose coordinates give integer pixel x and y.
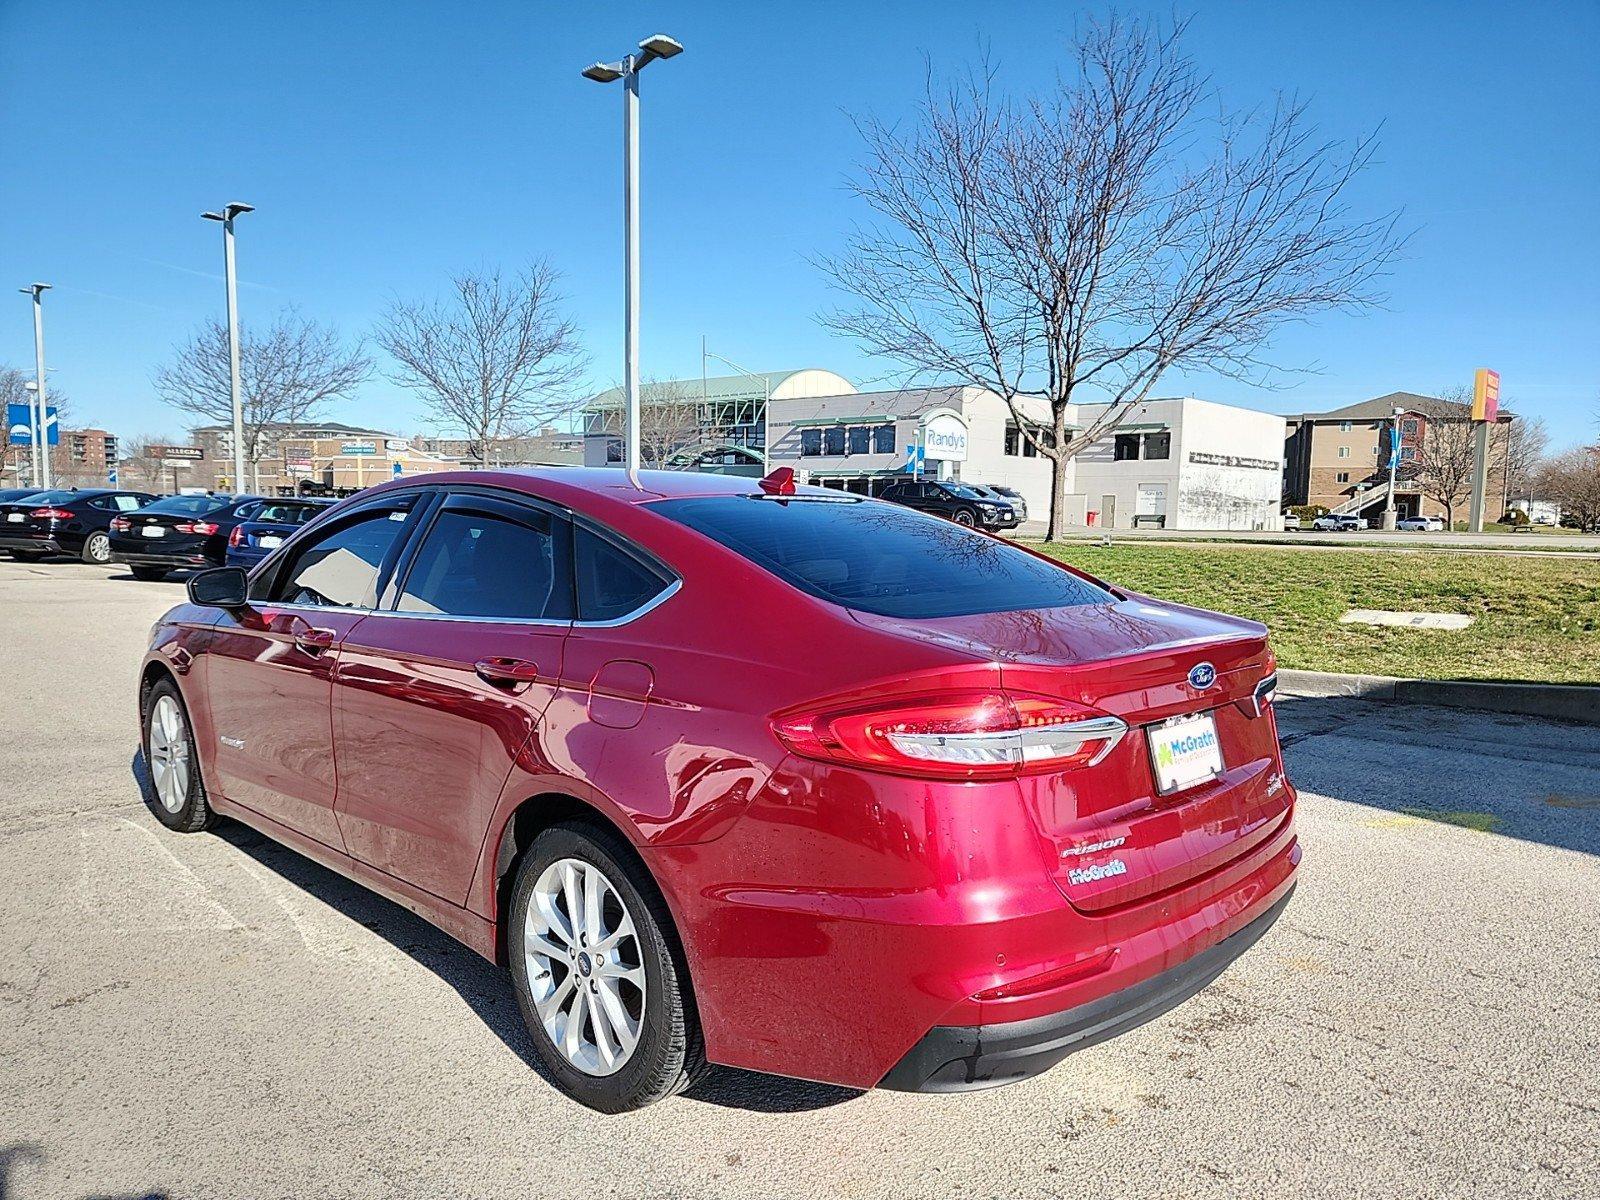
{"type": "Point", "coordinates": [220, 587]}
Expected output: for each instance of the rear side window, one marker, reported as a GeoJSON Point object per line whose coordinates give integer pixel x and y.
{"type": "Point", "coordinates": [476, 564]}
{"type": "Point", "coordinates": [341, 568]}
{"type": "Point", "coordinates": [883, 558]}
{"type": "Point", "coordinates": [611, 582]}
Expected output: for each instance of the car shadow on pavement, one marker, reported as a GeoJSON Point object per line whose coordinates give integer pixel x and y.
{"type": "Point", "coordinates": [1516, 776]}
{"type": "Point", "coordinates": [485, 987]}
{"type": "Point", "coordinates": [21, 1154]}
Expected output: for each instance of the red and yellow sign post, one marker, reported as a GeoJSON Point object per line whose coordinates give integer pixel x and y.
{"type": "Point", "coordinates": [1485, 411]}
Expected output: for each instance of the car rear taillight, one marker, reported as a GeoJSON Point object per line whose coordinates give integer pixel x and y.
{"type": "Point", "coordinates": [960, 735]}
{"type": "Point", "coordinates": [207, 528]}
{"type": "Point", "coordinates": [236, 538]}
{"type": "Point", "coordinates": [120, 525]}
{"type": "Point", "coordinates": [50, 514]}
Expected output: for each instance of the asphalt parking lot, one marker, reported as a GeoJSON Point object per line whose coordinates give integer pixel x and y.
{"type": "Point", "coordinates": [215, 1016]}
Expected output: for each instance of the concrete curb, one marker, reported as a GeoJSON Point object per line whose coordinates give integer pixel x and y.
{"type": "Point", "coordinates": [1560, 701]}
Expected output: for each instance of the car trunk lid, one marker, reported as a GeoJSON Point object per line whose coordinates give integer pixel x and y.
{"type": "Point", "coordinates": [1113, 837]}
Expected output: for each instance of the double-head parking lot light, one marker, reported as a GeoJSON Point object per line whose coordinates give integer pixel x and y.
{"type": "Point", "coordinates": [627, 69]}
{"type": "Point", "coordinates": [38, 408]}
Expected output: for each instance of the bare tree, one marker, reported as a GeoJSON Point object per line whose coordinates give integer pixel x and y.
{"type": "Point", "coordinates": [287, 375]}
{"type": "Point", "coordinates": [1573, 481]}
{"type": "Point", "coordinates": [1519, 446]}
{"type": "Point", "coordinates": [1074, 247]}
{"type": "Point", "coordinates": [1446, 456]}
{"type": "Point", "coordinates": [497, 359]}
{"type": "Point", "coordinates": [669, 421]}
{"type": "Point", "coordinates": [141, 462]}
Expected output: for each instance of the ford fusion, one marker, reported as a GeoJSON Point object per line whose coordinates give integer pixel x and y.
{"type": "Point", "coordinates": [736, 772]}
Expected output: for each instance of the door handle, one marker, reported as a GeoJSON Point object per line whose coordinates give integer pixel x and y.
{"type": "Point", "coordinates": [503, 671]}
{"type": "Point", "coordinates": [314, 640]}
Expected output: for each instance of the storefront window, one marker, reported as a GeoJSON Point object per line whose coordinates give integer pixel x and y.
{"type": "Point", "coordinates": [883, 439]}
{"type": "Point", "coordinates": [860, 439]}
{"type": "Point", "coordinates": [833, 440]}
{"type": "Point", "coordinates": [1125, 448]}
{"type": "Point", "coordinates": [810, 443]}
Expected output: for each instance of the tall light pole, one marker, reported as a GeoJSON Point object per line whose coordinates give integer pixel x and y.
{"type": "Point", "coordinates": [766, 385]}
{"type": "Point", "coordinates": [627, 69]}
{"type": "Point", "coordinates": [39, 408]}
{"type": "Point", "coordinates": [226, 217]}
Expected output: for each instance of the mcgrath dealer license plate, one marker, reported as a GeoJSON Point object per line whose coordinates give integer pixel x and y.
{"type": "Point", "coordinates": [1184, 751]}
{"type": "Point", "coordinates": [154, 531]}
{"type": "Point", "coordinates": [268, 542]}
{"type": "Point", "coordinates": [14, 517]}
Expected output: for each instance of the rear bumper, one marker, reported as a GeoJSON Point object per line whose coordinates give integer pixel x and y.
{"type": "Point", "coordinates": [963, 1058]}
{"type": "Point", "coordinates": [44, 543]}
{"type": "Point", "coordinates": [141, 553]}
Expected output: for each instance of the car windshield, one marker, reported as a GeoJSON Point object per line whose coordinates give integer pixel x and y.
{"type": "Point", "coordinates": [883, 558]}
{"type": "Point", "coordinates": [189, 506]}
{"type": "Point", "coordinates": [965, 492]}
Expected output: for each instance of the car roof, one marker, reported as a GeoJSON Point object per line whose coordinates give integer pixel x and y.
{"type": "Point", "coordinates": [594, 484]}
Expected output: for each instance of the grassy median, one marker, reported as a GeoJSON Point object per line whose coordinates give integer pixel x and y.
{"type": "Point", "coordinates": [1538, 618]}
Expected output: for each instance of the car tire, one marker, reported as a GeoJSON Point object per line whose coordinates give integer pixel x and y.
{"type": "Point", "coordinates": [630, 920]}
{"type": "Point", "coordinates": [149, 574]}
{"type": "Point", "coordinates": [96, 549]}
{"type": "Point", "coordinates": [177, 794]}
{"type": "Point", "coordinates": [965, 518]}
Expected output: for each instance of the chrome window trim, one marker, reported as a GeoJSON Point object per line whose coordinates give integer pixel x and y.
{"type": "Point", "coordinates": [654, 602]}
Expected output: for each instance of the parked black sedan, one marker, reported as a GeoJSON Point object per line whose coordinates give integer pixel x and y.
{"type": "Point", "coordinates": [179, 533]}
{"type": "Point", "coordinates": [955, 501]}
{"type": "Point", "coordinates": [65, 521]}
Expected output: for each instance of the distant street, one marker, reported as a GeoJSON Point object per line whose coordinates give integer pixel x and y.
{"type": "Point", "coordinates": [215, 1015]}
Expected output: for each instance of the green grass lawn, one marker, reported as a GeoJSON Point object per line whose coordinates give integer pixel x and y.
{"type": "Point", "coordinates": [1538, 618]}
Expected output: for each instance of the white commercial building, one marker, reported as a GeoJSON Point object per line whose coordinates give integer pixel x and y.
{"type": "Point", "coordinates": [1172, 463]}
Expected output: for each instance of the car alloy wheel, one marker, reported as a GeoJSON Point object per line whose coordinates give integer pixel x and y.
{"type": "Point", "coordinates": [965, 518]}
{"type": "Point", "coordinates": [98, 548]}
{"type": "Point", "coordinates": [169, 753]}
{"type": "Point", "coordinates": [585, 966]}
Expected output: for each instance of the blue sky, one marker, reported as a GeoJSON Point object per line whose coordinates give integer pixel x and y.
{"type": "Point", "coordinates": [386, 144]}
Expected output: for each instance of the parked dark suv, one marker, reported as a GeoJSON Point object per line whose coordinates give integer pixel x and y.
{"type": "Point", "coordinates": [955, 501]}
{"type": "Point", "coordinates": [179, 533]}
{"type": "Point", "coordinates": [65, 521]}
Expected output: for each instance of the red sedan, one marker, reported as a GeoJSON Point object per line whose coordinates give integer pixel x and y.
{"type": "Point", "coordinates": [786, 779]}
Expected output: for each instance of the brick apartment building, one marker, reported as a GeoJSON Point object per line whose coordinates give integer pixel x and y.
{"type": "Point", "coordinates": [83, 458]}
{"type": "Point", "coordinates": [1340, 459]}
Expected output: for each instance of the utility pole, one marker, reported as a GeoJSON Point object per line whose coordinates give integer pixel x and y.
{"type": "Point", "coordinates": [39, 409]}
{"type": "Point", "coordinates": [230, 273]}
{"type": "Point", "coordinates": [1394, 458]}
{"type": "Point", "coordinates": [627, 69]}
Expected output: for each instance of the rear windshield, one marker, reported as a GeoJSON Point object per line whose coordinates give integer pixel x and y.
{"type": "Point", "coordinates": [59, 496]}
{"type": "Point", "coordinates": [287, 514]}
{"type": "Point", "coordinates": [189, 506]}
{"type": "Point", "coordinates": [882, 558]}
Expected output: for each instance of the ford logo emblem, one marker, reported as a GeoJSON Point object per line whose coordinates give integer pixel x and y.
{"type": "Point", "coordinates": [1202, 676]}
